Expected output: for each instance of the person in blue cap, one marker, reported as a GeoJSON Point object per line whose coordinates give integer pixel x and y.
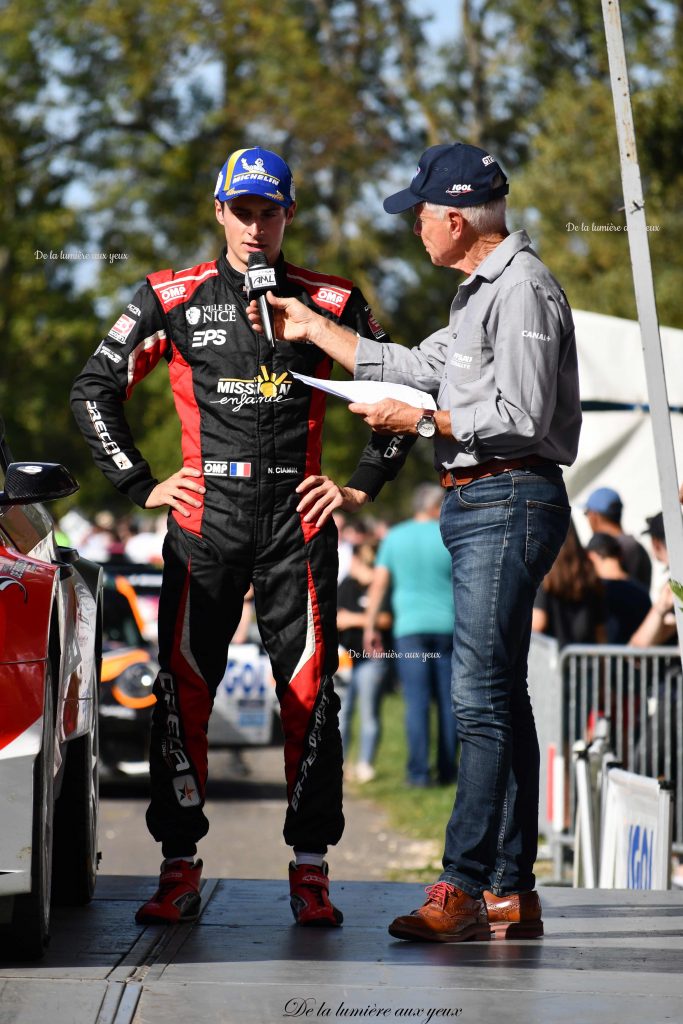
{"type": "Point", "coordinates": [249, 505]}
{"type": "Point", "coordinates": [604, 510]}
{"type": "Point", "coordinates": [503, 372]}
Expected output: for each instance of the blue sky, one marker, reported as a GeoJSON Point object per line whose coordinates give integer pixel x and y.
{"type": "Point", "coordinates": [446, 17]}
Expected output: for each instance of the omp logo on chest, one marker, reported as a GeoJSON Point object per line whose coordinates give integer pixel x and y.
{"type": "Point", "coordinates": [266, 386]}
{"type": "Point", "coordinates": [221, 313]}
{"type": "Point", "coordinates": [174, 291]}
{"type": "Point", "coordinates": [330, 295]}
{"type": "Point", "coordinates": [214, 467]}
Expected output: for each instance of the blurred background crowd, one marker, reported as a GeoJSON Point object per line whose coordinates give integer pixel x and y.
{"type": "Point", "coordinates": [396, 609]}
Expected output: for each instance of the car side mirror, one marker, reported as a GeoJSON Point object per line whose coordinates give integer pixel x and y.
{"type": "Point", "coordinates": [29, 482]}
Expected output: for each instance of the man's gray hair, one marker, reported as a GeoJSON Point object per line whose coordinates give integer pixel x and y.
{"type": "Point", "coordinates": [485, 219]}
{"type": "Point", "coordinates": [427, 497]}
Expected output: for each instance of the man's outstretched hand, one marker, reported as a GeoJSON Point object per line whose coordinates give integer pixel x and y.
{"type": "Point", "coordinates": [292, 321]}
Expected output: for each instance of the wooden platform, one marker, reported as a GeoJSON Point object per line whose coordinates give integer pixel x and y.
{"type": "Point", "coordinates": [607, 957]}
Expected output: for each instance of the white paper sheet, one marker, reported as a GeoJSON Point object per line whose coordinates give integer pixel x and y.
{"type": "Point", "coordinates": [370, 391]}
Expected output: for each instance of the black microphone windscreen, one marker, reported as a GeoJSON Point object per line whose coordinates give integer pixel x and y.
{"type": "Point", "coordinates": [259, 277]}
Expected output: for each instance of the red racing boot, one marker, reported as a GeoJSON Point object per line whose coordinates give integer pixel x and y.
{"type": "Point", "coordinates": [177, 898]}
{"type": "Point", "coordinates": [309, 889]}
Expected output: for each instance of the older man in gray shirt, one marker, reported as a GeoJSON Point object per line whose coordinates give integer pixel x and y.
{"type": "Point", "coordinates": [504, 376]}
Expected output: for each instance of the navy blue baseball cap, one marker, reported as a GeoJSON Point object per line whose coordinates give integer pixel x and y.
{"type": "Point", "coordinates": [451, 175]}
{"type": "Point", "coordinates": [255, 172]}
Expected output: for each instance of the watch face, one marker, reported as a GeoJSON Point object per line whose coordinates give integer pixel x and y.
{"type": "Point", "coordinates": [426, 427]}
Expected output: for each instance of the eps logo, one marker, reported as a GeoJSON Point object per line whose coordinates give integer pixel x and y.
{"type": "Point", "coordinates": [211, 336]}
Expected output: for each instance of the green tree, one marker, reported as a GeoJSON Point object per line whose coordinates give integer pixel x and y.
{"type": "Point", "coordinates": [532, 84]}
{"type": "Point", "coordinates": [147, 106]}
{"type": "Point", "coordinates": [43, 318]}
{"type": "Point", "coordinates": [114, 119]}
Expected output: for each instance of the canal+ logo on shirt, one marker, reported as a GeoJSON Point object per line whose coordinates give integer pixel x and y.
{"type": "Point", "coordinates": [535, 335]}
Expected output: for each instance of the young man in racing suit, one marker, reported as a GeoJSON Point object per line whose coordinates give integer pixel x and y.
{"type": "Point", "coordinates": [248, 505]}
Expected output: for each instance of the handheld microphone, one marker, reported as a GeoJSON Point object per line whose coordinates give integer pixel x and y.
{"type": "Point", "coordinates": [259, 279]}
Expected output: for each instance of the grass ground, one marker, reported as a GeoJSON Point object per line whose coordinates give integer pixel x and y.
{"type": "Point", "coordinates": [421, 814]}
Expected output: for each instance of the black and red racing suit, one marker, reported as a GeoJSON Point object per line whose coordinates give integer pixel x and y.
{"type": "Point", "coordinates": [254, 432]}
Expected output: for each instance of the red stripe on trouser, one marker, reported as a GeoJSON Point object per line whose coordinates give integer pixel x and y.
{"type": "Point", "coordinates": [192, 693]}
{"type": "Point", "coordinates": [299, 699]}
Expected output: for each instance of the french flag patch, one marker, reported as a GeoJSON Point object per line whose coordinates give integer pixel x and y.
{"type": "Point", "coordinates": [240, 469]}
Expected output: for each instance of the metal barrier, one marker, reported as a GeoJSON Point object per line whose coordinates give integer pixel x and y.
{"type": "Point", "coordinates": [638, 691]}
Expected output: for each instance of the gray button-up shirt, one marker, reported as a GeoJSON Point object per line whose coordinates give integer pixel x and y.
{"type": "Point", "coordinates": [505, 367]}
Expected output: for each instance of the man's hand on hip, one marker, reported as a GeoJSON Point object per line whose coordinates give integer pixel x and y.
{"type": "Point", "coordinates": [321, 496]}
{"type": "Point", "coordinates": [178, 491]}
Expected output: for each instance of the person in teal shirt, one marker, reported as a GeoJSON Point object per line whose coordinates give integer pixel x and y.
{"type": "Point", "coordinates": [413, 561]}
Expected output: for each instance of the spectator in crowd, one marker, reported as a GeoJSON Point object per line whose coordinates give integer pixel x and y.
{"type": "Point", "coordinates": [145, 546]}
{"type": "Point", "coordinates": [247, 630]}
{"type": "Point", "coordinates": [368, 673]}
{"type": "Point", "coordinates": [658, 628]}
{"type": "Point", "coordinates": [570, 604]}
{"type": "Point", "coordinates": [413, 561]}
{"type": "Point", "coordinates": [351, 532]}
{"type": "Point", "coordinates": [98, 543]}
{"type": "Point", "coordinates": [659, 625]}
{"type": "Point", "coordinates": [603, 511]}
{"type": "Point", "coordinates": [626, 602]}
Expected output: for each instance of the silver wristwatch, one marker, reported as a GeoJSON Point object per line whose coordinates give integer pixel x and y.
{"type": "Point", "coordinates": [426, 425]}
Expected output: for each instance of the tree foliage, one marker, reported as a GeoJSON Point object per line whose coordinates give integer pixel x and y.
{"type": "Point", "coordinates": [532, 84]}
{"type": "Point", "coordinates": [115, 118]}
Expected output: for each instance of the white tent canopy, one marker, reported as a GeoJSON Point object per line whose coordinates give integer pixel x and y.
{"type": "Point", "coordinates": [617, 446]}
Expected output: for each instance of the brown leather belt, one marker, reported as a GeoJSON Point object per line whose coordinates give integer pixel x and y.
{"type": "Point", "coordinates": [460, 477]}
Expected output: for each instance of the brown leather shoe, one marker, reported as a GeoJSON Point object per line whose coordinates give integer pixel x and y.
{"type": "Point", "coordinates": [517, 916]}
{"type": "Point", "coordinates": [449, 915]}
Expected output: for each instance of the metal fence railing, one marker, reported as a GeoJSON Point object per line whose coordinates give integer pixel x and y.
{"type": "Point", "coordinates": [640, 694]}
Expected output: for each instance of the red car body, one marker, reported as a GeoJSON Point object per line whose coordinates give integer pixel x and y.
{"type": "Point", "coordinates": [50, 640]}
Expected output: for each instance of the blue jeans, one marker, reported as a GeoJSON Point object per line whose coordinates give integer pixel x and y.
{"type": "Point", "coordinates": [503, 533]}
{"type": "Point", "coordinates": [424, 668]}
{"type": "Point", "coordinates": [365, 685]}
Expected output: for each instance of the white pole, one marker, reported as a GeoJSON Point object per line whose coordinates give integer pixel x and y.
{"type": "Point", "coordinates": [585, 852]}
{"type": "Point", "coordinates": [645, 295]}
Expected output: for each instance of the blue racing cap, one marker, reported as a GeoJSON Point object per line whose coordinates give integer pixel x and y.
{"type": "Point", "coordinates": [255, 172]}
{"type": "Point", "coordinates": [451, 175]}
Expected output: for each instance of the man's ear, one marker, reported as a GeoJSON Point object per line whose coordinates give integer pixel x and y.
{"type": "Point", "coordinates": [456, 222]}
{"type": "Point", "coordinates": [218, 207]}
{"type": "Point", "coordinates": [289, 214]}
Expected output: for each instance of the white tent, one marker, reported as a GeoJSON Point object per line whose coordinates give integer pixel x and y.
{"type": "Point", "coordinates": [617, 445]}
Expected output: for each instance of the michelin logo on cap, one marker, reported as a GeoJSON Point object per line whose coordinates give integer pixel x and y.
{"type": "Point", "coordinates": [255, 172]}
